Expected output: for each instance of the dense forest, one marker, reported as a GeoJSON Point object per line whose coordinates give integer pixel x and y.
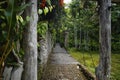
{"type": "Point", "coordinates": [29, 29]}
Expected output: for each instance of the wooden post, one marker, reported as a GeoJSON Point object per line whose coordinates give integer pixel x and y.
{"type": "Point", "coordinates": [30, 42]}
{"type": "Point", "coordinates": [103, 70]}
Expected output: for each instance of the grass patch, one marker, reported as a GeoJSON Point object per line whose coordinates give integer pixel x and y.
{"type": "Point", "coordinates": [91, 60]}
{"type": "Point", "coordinates": [115, 72]}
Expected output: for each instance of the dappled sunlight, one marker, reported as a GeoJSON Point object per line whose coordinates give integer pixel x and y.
{"type": "Point", "coordinates": [67, 1]}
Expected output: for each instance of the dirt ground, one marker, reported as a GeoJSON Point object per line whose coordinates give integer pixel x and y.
{"type": "Point", "coordinates": [61, 66]}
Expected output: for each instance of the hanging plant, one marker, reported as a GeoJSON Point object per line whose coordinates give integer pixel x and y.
{"type": "Point", "coordinates": [61, 2]}
{"type": "Point", "coordinates": [45, 7]}
{"type": "Point", "coordinates": [43, 4]}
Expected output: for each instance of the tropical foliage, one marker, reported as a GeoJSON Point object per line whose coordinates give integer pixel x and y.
{"type": "Point", "coordinates": [11, 29]}
{"type": "Point", "coordinates": [79, 20]}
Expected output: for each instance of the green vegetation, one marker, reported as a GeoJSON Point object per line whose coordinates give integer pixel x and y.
{"type": "Point", "coordinates": [115, 72]}
{"type": "Point", "coordinates": [74, 26]}
{"type": "Point", "coordinates": [92, 64]}
{"type": "Point", "coordinates": [86, 58]}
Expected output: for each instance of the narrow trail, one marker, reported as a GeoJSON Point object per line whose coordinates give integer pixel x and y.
{"type": "Point", "coordinates": [62, 66]}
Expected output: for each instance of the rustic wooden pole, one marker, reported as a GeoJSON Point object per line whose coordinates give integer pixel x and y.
{"type": "Point", "coordinates": [30, 42]}
{"type": "Point", "coordinates": [103, 70]}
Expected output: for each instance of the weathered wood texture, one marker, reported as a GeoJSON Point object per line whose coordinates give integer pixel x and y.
{"type": "Point", "coordinates": [103, 70]}
{"type": "Point", "coordinates": [30, 42]}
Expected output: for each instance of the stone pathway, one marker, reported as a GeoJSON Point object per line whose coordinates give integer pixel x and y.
{"type": "Point", "coordinates": [62, 66]}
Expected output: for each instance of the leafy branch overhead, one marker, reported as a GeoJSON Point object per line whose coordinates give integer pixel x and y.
{"type": "Point", "coordinates": [45, 6]}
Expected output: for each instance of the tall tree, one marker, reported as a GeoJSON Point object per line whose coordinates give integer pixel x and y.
{"type": "Point", "coordinates": [66, 36]}
{"type": "Point", "coordinates": [80, 41]}
{"type": "Point", "coordinates": [30, 42]}
{"type": "Point", "coordinates": [103, 70]}
{"type": "Point", "coordinates": [75, 36]}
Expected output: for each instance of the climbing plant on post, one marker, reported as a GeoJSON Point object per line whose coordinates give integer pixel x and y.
{"type": "Point", "coordinates": [103, 70]}
{"type": "Point", "coordinates": [30, 42]}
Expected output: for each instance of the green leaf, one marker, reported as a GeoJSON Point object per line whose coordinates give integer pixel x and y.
{"type": "Point", "coordinates": [40, 11]}
{"type": "Point", "coordinates": [19, 18]}
{"type": "Point", "coordinates": [22, 7]}
{"type": "Point", "coordinates": [49, 2]}
{"type": "Point", "coordinates": [24, 22]}
{"type": "Point", "coordinates": [46, 10]}
{"type": "Point", "coordinates": [42, 28]}
{"type": "Point", "coordinates": [2, 17]}
{"type": "Point", "coordinates": [8, 16]}
{"type": "Point", "coordinates": [2, 2]}
{"type": "Point", "coordinates": [2, 10]}
{"type": "Point", "coordinates": [9, 12]}
{"type": "Point", "coordinates": [3, 25]}
{"type": "Point", "coordinates": [4, 33]}
{"type": "Point", "coordinates": [51, 8]}
{"type": "Point", "coordinates": [27, 18]}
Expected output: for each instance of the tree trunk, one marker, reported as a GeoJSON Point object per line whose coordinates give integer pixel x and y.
{"type": "Point", "coordinates": [80, 43]}
{"type": "Point", "coordinates": [66, 38]}
{"type": "Point", "coordinates": [30, 42]}
{"type": "Point", "coordinates": [85, 40]}
{"type": "Point", "coordinates": [103, 70]}
{"type": "Point", "coordinates": [75, 36]}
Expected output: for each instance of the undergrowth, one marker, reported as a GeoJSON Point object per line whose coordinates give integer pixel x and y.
{"type": "Point", "coordinates": [91, 60]}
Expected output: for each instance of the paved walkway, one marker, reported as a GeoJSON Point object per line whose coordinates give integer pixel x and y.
{"type": "Point", "coordinates": [62, 66]}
